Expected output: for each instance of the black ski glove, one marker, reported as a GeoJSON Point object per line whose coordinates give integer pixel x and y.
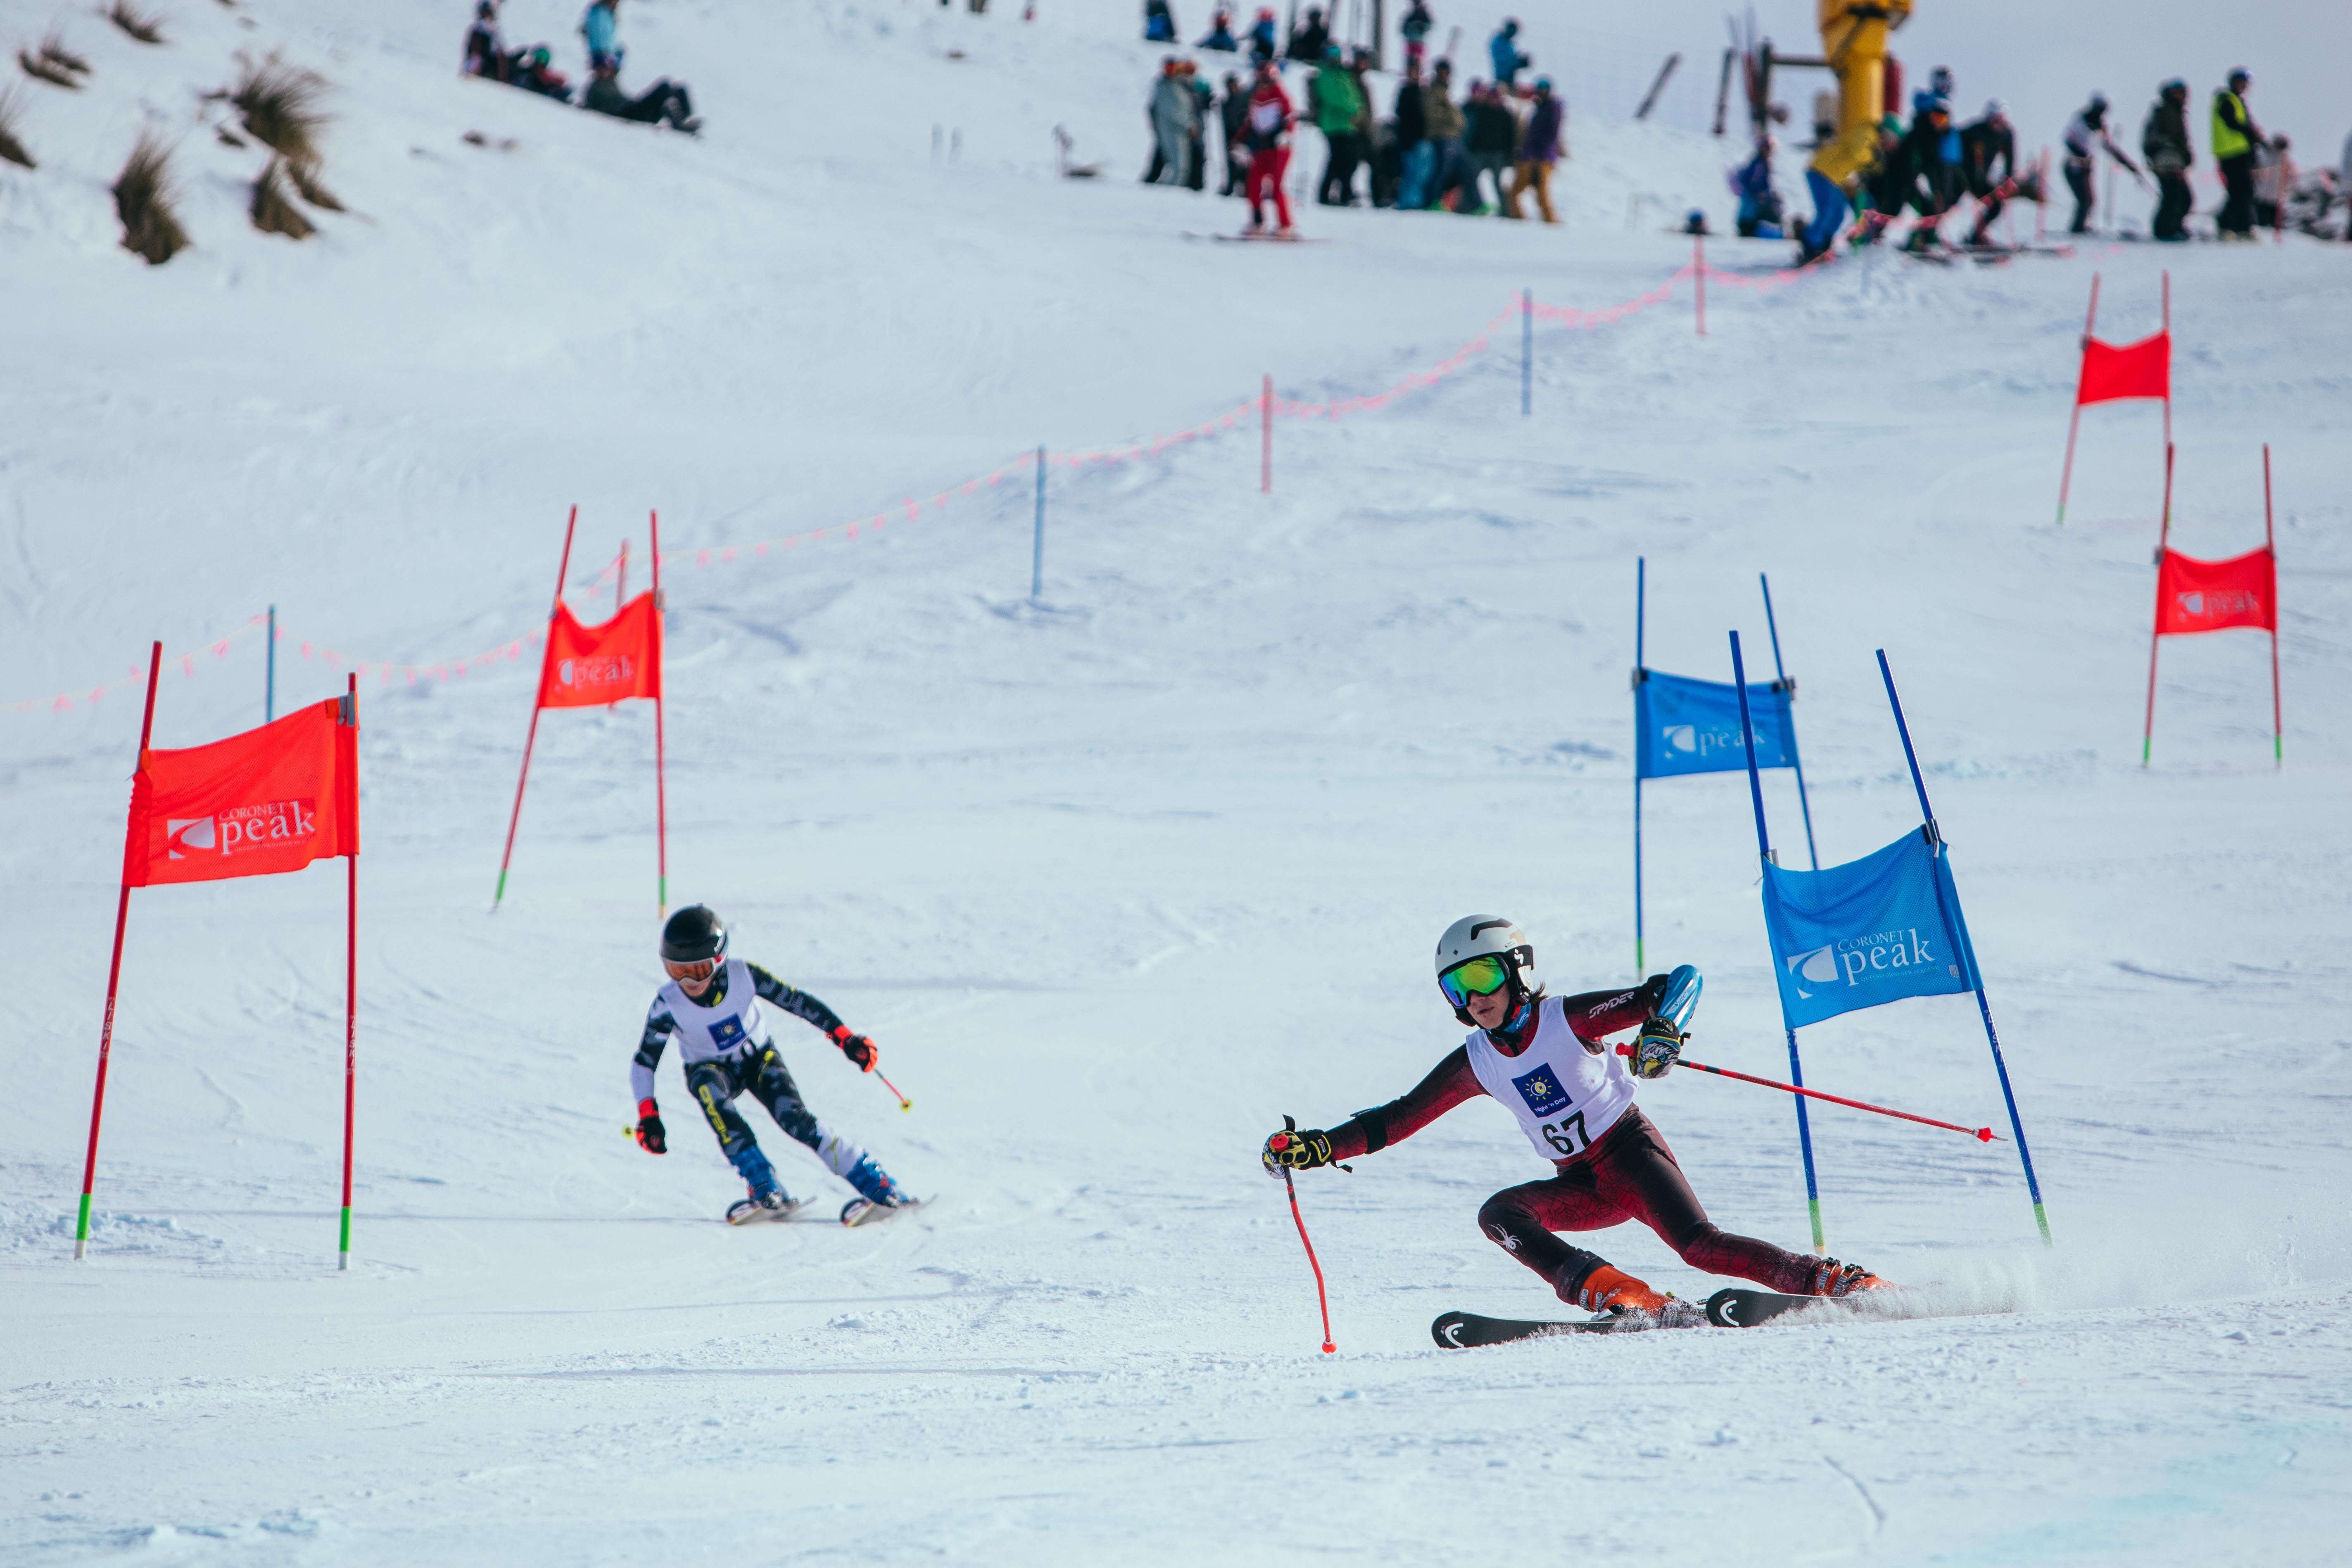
{"type": "Point", "coordinates": [1656, 1048]}
{"type": "Point", "coordinates": [649, 1128]}
{"type": "Point", "coordinates": [856, 1047]}
{"type": "Point", "coordinates": [1298, 1151]}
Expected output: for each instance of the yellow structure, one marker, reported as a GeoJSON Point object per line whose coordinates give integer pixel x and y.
{"type": "Point", "coordinates": [1854, 43]}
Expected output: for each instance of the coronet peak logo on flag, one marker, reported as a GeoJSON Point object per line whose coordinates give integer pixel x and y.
{"type": "Point", "coordinates": [1540, 1088]}
{"type": "Point", "coordinates": [273, 823]}
{"type": "Point", "coordinates": [1705, 741]}
{"type": "Point", "coordinates": [183, 837]}
{"type": "Point", "coordinates": [1859, 959]}
{"type": "Point", "coordinates": [586, 672]}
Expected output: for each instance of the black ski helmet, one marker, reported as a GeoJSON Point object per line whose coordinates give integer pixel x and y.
{"type": "Point", "coordinates": [693, 934]}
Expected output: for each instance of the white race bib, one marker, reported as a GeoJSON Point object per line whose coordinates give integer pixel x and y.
{"type": "Point", "coordinates": [1564, 1095]}
{"type": "Point", "coordinates": [734, 1026]}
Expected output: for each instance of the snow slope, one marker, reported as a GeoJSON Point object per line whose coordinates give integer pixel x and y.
{"type": "Point", "coordinates": [1121, 876]}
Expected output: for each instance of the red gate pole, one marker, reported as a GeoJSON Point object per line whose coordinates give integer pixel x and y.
{"type": "Point", "coordinates": [2066, 475]}
{"type": "Point", "coordinates": [2270, 543]}
{"type": "Point", "coordinates": [2167, 360]}
{"type": "Point", "coordinates": [1698, 272]}
{"type": "Point", "coordinates": [621, 582]}
{"type": "Point", "coordinates": [661, 787]}
{"type": "Point", "coordinates": [530, 736]}
{"type": "Point", "coordinates": [1265, 445]}
{"type": "Point", "coordinates": [113, 980]}
{"type": "Point", "coordinates": [2156, 622]}
{"type": "Point", "coordinates": [350, 1005]}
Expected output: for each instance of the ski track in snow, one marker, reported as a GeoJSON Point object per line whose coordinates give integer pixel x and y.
{"type": "Point", "coordinates": [1120, 876]}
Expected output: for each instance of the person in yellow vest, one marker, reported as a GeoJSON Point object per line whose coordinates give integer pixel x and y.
{"type": "Point", "coordinates": [2235, 137]}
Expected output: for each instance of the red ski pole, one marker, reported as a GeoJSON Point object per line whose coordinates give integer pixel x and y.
{"type": "Point", "coordinates": [904, 1103]}
{"type": "Point", "coordinates": [1981, 1134]}
{"type": "Point", "coordinates": [1282, 1141]}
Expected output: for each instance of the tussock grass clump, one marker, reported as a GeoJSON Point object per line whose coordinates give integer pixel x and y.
{"type": "Point", "coordinates": [11, 108]}
{"type": "Point", "coordinates": [273, 211]}
{"type": "Point", "coordinates": [142, 199]}
{"type": "Point", "coordinates": [306, 180]}
{"type": "Point", "coordinates": [146, 28]}
{"type": "Point", "coordinates": [281, 105]}
{"type": "Point", "coordinates": [53, 63]}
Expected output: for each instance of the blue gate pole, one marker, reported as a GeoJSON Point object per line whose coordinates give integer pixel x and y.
{"type": "Point", "coordinates": [1796, 758]}
{"type": "Point", "coordinates": [1764, 851]}
{"type": "Point", "coordinates": [1641, 600]}
{"type": "Point", "coordinates": [1037, 549]}
{"type": "Point", "coordinates": [270, 672]}
{"type": "Point", "coordinates": [1527, 352]}
{"type": "Point", "coordinates": [1984, 1008]}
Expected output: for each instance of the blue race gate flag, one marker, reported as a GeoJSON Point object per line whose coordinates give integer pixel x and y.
{"type": "Point", "coordinates": [1870, 932]}
{"type": "Point", "coordinates": [1686, 726]}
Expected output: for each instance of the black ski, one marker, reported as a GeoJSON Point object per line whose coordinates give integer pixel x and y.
{"type": "Point", "coordinates": [1733, 1308]}
{"type": "Point", "coordinates": [1467, 1331]}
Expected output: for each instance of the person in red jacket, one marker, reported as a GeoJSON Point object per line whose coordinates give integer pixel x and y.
{"type": "Point", "coordinates": [1266, 134]}
{"type": "Point", "coordinates": [1542, 1057]}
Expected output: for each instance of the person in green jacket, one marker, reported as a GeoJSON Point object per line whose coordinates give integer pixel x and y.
{"type": "Point", "coordinates": [1337, 103]}
{"type": "Point", "coordinates": [2235, 137]}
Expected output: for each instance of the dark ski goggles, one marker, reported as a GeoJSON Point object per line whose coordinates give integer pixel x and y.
{"type": "Point", "coordinates": [1480, 977]}
{"type": "Point", "coordinates": [700, 970]}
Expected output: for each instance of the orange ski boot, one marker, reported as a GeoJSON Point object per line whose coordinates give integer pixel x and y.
{"type": "Point", "coordinates": [1831, 1278]}
{"type": "Point", "coordinates": [1609, 1289]}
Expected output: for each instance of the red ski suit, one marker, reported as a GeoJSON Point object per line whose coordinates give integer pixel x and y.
{"type": "Point", "coordinates": [1627, 1173]}
{"type": "Point", "coordinates": [1266, 136]}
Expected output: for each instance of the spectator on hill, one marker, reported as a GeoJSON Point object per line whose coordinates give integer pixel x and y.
{"type": "Point", "coordinates": [1988, 165]}
{"type": "Point", "coordinates": [2271, 182]}
{"type": "Point", "coordinates": [1759, 215]}
{"type": "Point", "coordinates": [1337, 101]}
{"type": "Point", "coordinates": [1174, 111]}
{"type": "Point", "coordinates": [601, 25]}
{"type": "Point", "coordinates": [1159, 22]}
{"type": "Point", "coordinates": [1309, 38]}
{"type": "Point", "coordinates": [2235, 138]}
{"type": "Point", "coordinates": [665, 102]}
{"type": "Point", "coordinates": [1267, 136]}
{"type": "Point", "coordinates": [2163, 142]}
{"type": "Point", "coordinates": [1415, 27]}
{"type": "Point", "coordinates": [1491, 140]}
{"type": "Point", "coordinates": [486, 52]}
{"type": "Point", "coordinates": [1539, 149]}
{"type": "Point", "coordinates": [1413, 152]}
{"type": "Point", "coordinates": [1232, 111]}
{"type": "Point", "coordinates": [2085, 134]}
{"type": "Point", "coordinates": [1445, 125]}
{"type": "Point", "coordinates": [1923, 157]}
{"type": "Point", "coordinates": [1503, 50]}
{"type": "Point", "coordinates": [1261, 36]}
{"type": "Point", "coordinates": [1221, 33]}
{"type": "Point", "coordinates": [533, 73]}
{"type": "Point", "coordinates": [1196, 154]}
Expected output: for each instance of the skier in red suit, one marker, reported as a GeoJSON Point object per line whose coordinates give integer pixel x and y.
{"type": "Point", "coordinates": [1542, 1057]}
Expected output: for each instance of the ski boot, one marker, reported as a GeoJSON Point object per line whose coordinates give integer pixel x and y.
{"type": "Point", "coordinates": [1831, 1278]}
{"type": "Point", "coordinates": [773, 1206]}
{"type": "Point", "coordinates": [878, 1194]}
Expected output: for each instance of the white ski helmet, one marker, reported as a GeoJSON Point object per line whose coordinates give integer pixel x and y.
{"type": "Point", "coordinates": [1486, 936]}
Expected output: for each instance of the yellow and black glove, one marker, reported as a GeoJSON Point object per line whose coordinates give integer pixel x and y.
{"type": "Point", "coordinates": [1656, 1048]}
{"type": "Point", "coordinates": [1291, 1149]}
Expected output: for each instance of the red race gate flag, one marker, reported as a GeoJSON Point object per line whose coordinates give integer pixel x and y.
{"type": "Point", "coordinates": [273, 799]}
{"type": "Point", "coordinates": [2194, 596]}
{"type": "Point", "coordinates": [2112, 371]}
{"type": "Point", "coordinates": [270, 800]}
{"type": "Point", "coordinates": [588, 666]}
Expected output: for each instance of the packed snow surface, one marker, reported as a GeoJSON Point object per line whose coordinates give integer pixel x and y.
{"type": "Point", "coordinates": [1120, 875]}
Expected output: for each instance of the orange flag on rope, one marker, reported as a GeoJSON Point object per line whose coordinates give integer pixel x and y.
{"type": "Point", "coordinates": [270, 800]}
{"type": "Point", "coordinates": [2111, 371]}
{"type": "Point", "coordinates": [588, 666]}
{"type": "Point", "coordinates": [2194, 596]}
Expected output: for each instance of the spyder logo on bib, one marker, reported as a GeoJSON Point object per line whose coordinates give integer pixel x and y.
{"type": "Point", "coordinates": [728, 1033]}
{"type": "Point", "coordinates": [1540, 1088]}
